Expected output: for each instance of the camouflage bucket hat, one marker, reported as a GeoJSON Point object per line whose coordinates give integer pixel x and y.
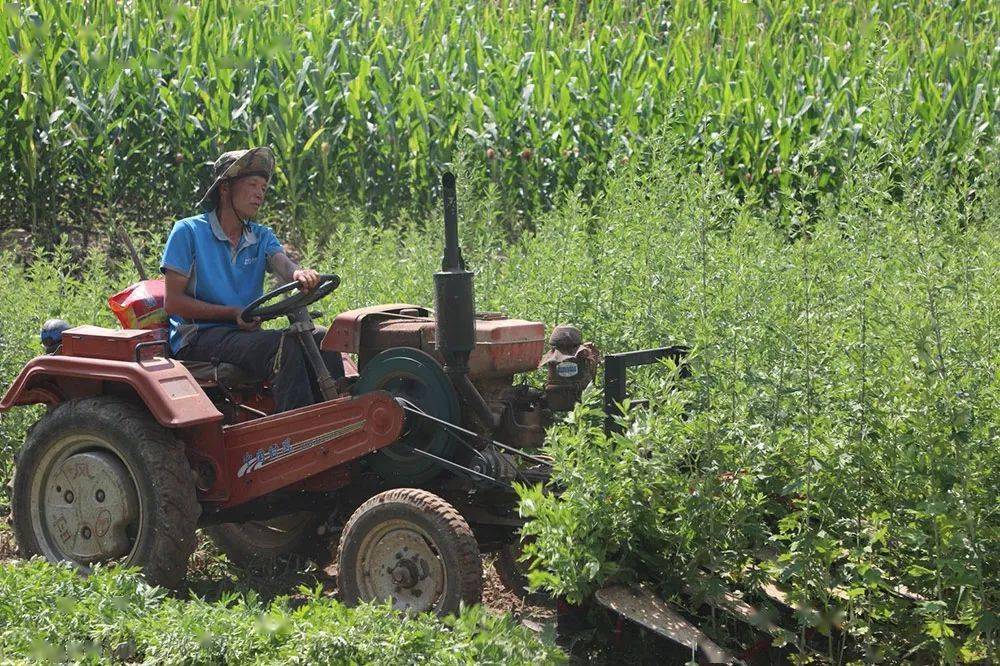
{"type": "Point", "coordinates": [237, 164]}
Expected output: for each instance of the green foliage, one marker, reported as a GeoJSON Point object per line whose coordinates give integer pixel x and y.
{"type": "Point", "coordinates": [111, 107]}
{"type": "Point", "coordinates": [839, 434]}
{"type": "Point", "coordinates": [50, 612]}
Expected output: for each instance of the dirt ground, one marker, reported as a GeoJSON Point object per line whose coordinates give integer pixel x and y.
{"type": "Point", "coordinates": [8, 549]}
{"type": "Point", "coordinates": [498, 598]}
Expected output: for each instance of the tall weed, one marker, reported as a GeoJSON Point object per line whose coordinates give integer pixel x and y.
{"type": "Point", "coordinates": [838, 436]}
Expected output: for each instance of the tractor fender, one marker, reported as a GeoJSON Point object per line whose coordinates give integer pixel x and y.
{"type": "Point", "coordinates": [344, 335]}
{"type": "Point", "coordinates": [165, 386]}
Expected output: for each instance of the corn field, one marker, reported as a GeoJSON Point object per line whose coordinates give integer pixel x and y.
{"type": "Point", "coordinates": [114, 107]}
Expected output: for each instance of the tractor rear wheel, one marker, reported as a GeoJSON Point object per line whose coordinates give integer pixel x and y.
{"type": "Point", "coordinates": [276, 545]}
{"type": "Point", "coordinates": [412, 548]}
{"type": "Point", "coordinates": [99, 480]}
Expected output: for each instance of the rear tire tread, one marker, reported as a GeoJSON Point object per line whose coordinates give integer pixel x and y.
{"type": "Point", "coordinates": [175, 508]}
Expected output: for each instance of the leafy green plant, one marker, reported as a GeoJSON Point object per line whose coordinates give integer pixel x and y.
{"type": "Point", "coordinates": [50, 612]}
{"type": "Point", "coordinates": [838, 436]}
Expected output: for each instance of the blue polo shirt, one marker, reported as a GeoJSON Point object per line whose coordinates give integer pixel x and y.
{"type": "Point", "coordinates": [217, 272]}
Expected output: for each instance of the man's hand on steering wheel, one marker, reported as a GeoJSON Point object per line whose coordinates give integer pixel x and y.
{"type": "Point", "coordinates": [246, 325]}
{"type": "Point", "coordinates": [325, 284]}
{"type": "Point", "coordinates": [307, 278]}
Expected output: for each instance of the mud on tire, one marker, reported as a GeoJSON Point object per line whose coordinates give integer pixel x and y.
{"type": "Point", "coordinates": [161, 537]}
{"type": "Point", "coordinates": [404, 524]}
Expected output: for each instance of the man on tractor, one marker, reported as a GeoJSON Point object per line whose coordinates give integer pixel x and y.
{"type": "Point", "coordinates": [214, 265]}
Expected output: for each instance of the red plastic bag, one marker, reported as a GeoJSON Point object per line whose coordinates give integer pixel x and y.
{"type": "Point", "coordinates": [140, 305]}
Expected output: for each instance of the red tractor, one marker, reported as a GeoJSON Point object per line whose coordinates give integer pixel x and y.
{"type": "Point", "coordinates": [410, 458]}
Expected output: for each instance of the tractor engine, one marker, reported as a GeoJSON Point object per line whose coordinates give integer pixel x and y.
{"type": "Point", "coordinates": [503, 348]}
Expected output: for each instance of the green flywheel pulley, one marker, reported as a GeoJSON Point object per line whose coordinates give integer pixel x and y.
{"type": "Point", "coordinates": [416, 376]}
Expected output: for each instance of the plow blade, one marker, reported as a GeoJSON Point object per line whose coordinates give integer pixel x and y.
{"type": "Point", "coordinates": [645, 608]}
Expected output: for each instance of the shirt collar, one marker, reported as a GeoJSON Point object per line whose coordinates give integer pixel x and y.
{"type": "Point", "coordinates": [248, 238]}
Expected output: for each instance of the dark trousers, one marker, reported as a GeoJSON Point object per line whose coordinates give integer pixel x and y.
{"type": "Point", "coordinates": [267, 355]}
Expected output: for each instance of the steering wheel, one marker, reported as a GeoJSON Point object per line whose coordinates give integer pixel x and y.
{"type": "Point", "coordinates": [287, 305]}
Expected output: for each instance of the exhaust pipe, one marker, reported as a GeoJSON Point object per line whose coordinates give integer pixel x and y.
{"type": "Point", "coordinates": [455, 310]}
{"type": "Point", "coordinates": [454, 295]}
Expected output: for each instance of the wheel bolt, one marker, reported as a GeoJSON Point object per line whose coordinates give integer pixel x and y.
{"type": "Point", "coordinates": [85, 532]}
{"type": "Point", "coordinates": [68, 496]}
{"type": "Point", "coordinates": [99, 495]}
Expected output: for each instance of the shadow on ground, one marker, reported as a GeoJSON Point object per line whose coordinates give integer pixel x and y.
{"type": "Point", "coordinates": [211, 576]}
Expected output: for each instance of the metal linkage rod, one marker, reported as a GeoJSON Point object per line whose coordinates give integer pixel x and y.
{"type": "Point", "coordinates": [455, 467]}
{"type": "Point", "coordinates": [410, 407]}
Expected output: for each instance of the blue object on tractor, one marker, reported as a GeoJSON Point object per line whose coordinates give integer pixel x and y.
{"type": "Point", "coordinates": [51, 334]}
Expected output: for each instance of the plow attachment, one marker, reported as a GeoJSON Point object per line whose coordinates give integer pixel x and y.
{"type": "Point", "coordinates": [761, 624]}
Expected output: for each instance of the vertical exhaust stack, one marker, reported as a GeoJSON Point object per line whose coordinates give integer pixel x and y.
{"type": "Point", "coordinates": [455, 310]}
{"type": "Point", "coordinates": [454, 294]}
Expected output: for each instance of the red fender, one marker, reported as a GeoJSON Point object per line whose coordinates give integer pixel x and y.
{"type": "Point", "coordinates": [172, 396]}
{"type": "Point", "coordinates": [344, 335]}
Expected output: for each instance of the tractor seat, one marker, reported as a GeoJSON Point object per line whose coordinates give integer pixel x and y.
{"type": "Point", "coordinates": [224, 374]}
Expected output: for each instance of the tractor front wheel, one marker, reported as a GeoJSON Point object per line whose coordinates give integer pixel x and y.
{"type": "Point", "coordinates": [412, 548]}
{"type": "Point", "coordinates": [99, 480]}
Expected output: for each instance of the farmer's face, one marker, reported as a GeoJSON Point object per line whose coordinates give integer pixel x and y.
{"type": "Point", "coordinates": [248, 194]}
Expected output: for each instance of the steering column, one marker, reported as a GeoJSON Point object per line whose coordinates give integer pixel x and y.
{"type": "Point", "coordinates": [301, 326]}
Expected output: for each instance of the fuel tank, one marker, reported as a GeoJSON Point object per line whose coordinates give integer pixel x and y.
{"type": "Point", "coordinates": [503, 348]}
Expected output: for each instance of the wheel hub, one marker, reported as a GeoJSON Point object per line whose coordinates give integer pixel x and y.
{"type": "Point", "coordinates": [405, 574]}
{"type": "Point", "coordinates": [89, 502]}
{"type": "Point", "coordinates": [401, 565]}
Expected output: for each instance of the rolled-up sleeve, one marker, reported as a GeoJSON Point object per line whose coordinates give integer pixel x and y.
{"type": "Point", "coordinates": [178, 255]}
{"type": "Point", "coordinates": [271, 244]}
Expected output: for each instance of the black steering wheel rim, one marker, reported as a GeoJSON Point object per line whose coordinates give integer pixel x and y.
{"type": "Point", "coordinates": [327, 283]}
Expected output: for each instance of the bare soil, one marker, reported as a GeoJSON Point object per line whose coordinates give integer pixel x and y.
{"type": "Point", "coordinates": [8, 549]}
{"type": "Point", "coordinates": [499, 599]}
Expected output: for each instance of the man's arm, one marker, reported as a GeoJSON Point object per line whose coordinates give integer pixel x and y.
{"type": "Point", "coordinates": [177, 302]}
{"type": "Point", "coordinates": [288, 271]}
